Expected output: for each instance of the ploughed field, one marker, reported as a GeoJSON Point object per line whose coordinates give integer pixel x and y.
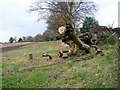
{"type": "Point", "coordinates": [73, 72]}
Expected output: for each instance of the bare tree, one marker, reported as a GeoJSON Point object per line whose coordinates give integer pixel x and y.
{"type": "Point", "coordinates": [73, 12]}
{"type": "Point", "coordinates": [57, 13]}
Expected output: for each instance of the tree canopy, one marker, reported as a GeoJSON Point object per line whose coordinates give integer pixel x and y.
{"type": "Point", "coordinates": [58, 13]}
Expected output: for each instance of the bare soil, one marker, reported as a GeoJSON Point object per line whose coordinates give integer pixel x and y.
{"type": "Point", "coordinates": [13, 46]}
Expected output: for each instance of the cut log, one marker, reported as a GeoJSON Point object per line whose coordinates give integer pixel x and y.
{"type": "Point", "coordinates": [94, 40]}
{"type": "Point", "coordinates": [47, 55]}
{"type": "Point", "coordinates": [89, 38]}
{"type": "Point", "coordinates": [64, 53]}
{"type": "Point", "coordinates": [61, 30]}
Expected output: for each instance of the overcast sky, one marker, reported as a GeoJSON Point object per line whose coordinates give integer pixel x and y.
{"type": "Point", "coordinates": [15, 21]}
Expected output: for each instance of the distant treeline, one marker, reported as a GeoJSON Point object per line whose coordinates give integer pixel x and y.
{"type": "Point", "coordinates": [46, 36]}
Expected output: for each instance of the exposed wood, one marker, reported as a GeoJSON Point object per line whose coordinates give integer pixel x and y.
{"type": "Point", "coordinates": [89, 38]}
{"type": "Point", "coordinates": [64, 53]}
{"type": "Point", "coordinates": [72, 46]}
{"type": "Point", "coordinates": [61, 30]}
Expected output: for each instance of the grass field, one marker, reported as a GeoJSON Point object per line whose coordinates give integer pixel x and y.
{"type": "Point", "coordinates": [20, 72]}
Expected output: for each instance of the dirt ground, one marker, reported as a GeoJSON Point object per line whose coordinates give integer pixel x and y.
{"type": "Point", "coordinates": [12, 46]}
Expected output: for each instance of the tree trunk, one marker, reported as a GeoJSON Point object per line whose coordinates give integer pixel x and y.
{"type": "Point", "coordinates": [70, 34]}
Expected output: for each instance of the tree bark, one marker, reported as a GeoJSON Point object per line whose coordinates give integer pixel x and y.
{"type": "Point", "coordinates": [72, 36]}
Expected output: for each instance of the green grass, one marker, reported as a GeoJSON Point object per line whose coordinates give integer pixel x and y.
{"type": "Point", "coordinates": [19, 72]}
{"type": "Point", "coordinates": [26, 79]}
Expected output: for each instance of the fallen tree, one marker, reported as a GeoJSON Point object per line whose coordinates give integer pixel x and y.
{"type": "Point", "coordinates": [85, 42]}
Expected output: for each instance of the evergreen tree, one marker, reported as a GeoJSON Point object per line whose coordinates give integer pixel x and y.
{"type": "Point", "coordinates": [88, 23]}
{"type": "Point", "coordinates": [20, 40]}
{"type": "Point", "coordinates": [11, 39]}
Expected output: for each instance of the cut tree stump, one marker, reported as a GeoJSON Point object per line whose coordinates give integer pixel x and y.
{"type": "Point", "coordinates": [30, 56]}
